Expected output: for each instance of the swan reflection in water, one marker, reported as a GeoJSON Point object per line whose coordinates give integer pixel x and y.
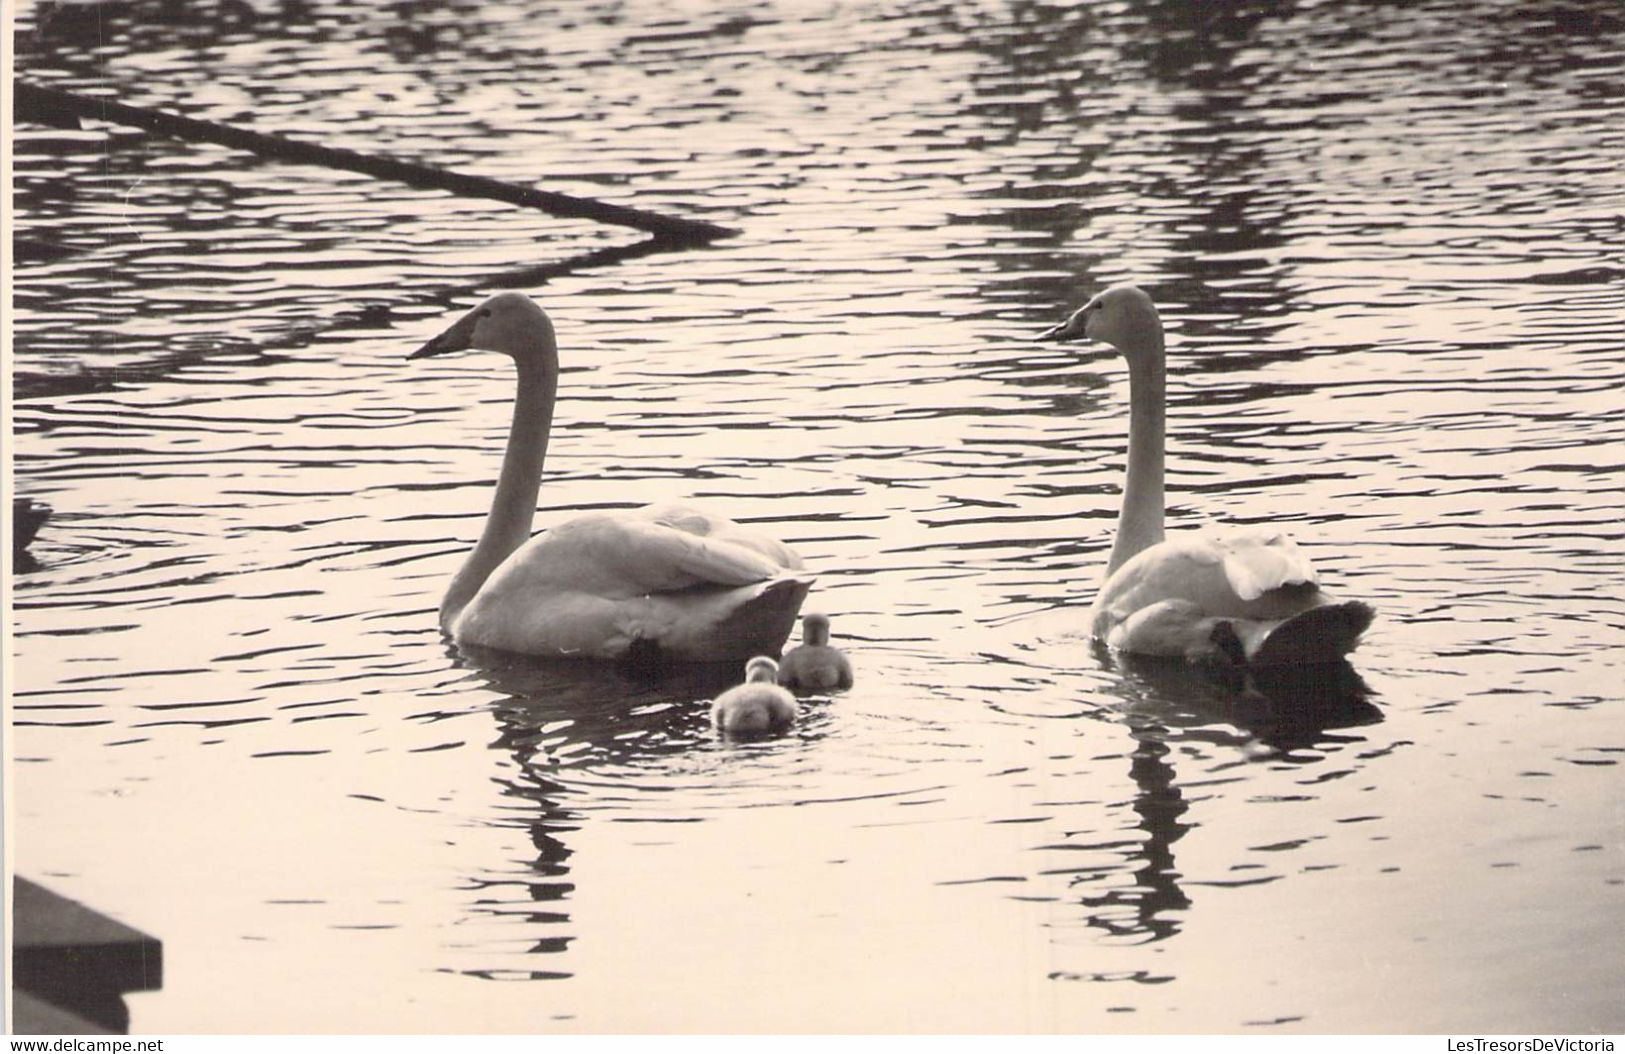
{"type": "Point", "coordinates": [571, 726]}
{"type": "Point", "coordinates": [1281, 708]}
{"type": "Point", "coordinates": [1167, 702]}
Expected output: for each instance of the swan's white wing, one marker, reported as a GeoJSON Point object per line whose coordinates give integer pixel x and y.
{"type": "Point", "coordinates": [597, 584]}
{"type": "Point", "coordinates": [1255, 575]}
{"type": "Point", "coordinates": [635, 553]}
{"type": "Point", "coordinates": [1258, 562]}
{"type": "Point", "coordinates": [721, 529]}
{"type": "Point", "coordinates": [663, 558]}
{"type": "Point", "coordinates": [1181, 597]}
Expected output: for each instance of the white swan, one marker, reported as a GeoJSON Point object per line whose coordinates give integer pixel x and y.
{"type": "Point", "coordinates": [658, 582]}
{"type": "Point", "coordinates": [758, 705]}
{"type": "Point", "coordinates": [814, 666]}
{"type": "Point", "coordinates": [1243, 597]}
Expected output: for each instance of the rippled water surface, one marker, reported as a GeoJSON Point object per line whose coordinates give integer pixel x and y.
{"type": "Point", "coordinates": [1386, 240]}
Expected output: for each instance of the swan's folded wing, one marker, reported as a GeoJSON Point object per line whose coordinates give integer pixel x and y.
{"type": "Point", "coordinates": [1252, 575]}
{"type": "Point", "coordinates": [721, 529]}
{"type": "Point", "coordinates": [1258, 563]}
{"type": "Point", "coordinates": [658, 558]}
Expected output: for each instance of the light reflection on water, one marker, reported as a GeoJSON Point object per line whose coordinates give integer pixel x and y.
{"type": "Point", "coordinates": [1386, 244]}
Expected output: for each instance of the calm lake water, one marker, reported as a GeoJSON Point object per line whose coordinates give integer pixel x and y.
{"type": "Point", "coordinates": [1386, 240]}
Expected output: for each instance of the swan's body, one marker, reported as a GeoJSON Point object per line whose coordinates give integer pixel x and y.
{"type": "Point", "coordinates": [758, 705]}
{"type": "Point", "coordinates": [659, 581]}
{"type": "Point", "coordinates": [814, 666]}
{"type": "Point", "coordinates": [1241, 597]}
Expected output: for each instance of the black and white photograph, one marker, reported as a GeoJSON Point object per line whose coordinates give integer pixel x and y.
{"type": "Point", "coordinates": [815, 517]}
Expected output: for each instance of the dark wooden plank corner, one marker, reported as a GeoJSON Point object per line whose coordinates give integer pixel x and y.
{"type": "Point", "coordinates": [77, 960]}
{"type": "Point", "coordinates": [33, 1016]}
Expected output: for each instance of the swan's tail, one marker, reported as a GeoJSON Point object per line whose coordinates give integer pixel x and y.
{"type": "Point", "coordinates": [762, 624]}
{"type": "Point", "coordinates": [722, 624]}
{"type": "Point", "coordinates": [1321, 634]}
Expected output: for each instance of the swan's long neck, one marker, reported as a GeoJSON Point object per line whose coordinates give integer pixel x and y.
{"type": "Point", "coordinates": [1139, 524]}
{"type": "Point", "coordinates": [513, 507]}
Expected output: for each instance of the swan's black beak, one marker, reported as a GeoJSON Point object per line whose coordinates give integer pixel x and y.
{"type": "Point", "coordinates": [1072, 329]}
{"type": "Point", "coordinates": [458, 338]}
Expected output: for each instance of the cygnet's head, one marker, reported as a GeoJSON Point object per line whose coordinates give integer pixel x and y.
{"type": "Point", "coordinates": [762, 670]}
{"type": "Point", "coordinates": [814, 628]}
{"type": "Point", "coordinates": [511, 323]}
{"type": "Point", "coordinates": [1122, 316]}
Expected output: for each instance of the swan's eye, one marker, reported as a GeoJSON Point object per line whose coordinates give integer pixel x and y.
{"type": "Point", "coordinates": [485, 312]}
